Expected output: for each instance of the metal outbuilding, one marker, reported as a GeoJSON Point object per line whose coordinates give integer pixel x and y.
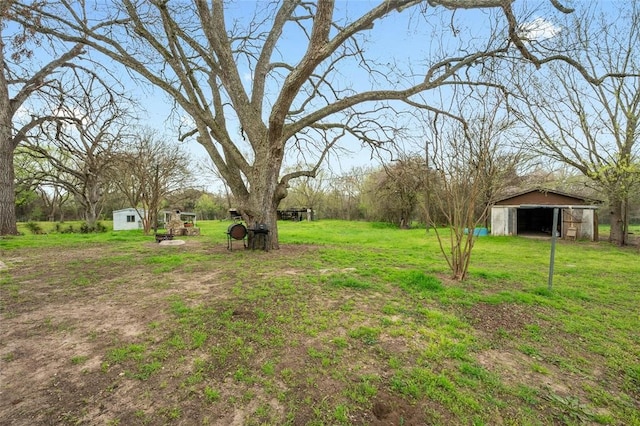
{"type": "Point", "coordinates": [531, 213]}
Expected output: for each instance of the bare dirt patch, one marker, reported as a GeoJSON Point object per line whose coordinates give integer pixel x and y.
{"type": "Point", "coordinates": [494, 319]}
{"type": "Point", "coordinates": [56, 331]}
{"type": "Point", "coordinates": [67, 310]}
{"type": "Point", "coordinates": [508, 329]}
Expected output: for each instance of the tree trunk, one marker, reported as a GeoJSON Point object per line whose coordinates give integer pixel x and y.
{"type": "Point", "coordinates": [94, 199]}
{"type": "Point", "coordinates": [91, 216]}
{"type": "Point", "coordinates": [260, 206]}
{"type": "Point", "coordinates": [268, 218]}
{"type": "Point", "coordinates": [7, 174]}
{"type": "Point", "coordinates": [263, 213]}
{"type": "Point", "coordinates": [617, 220]}
{"type": "Point", "coordinates": [147, 219]}
{"type": "Point", "coordinates": [7, 179]}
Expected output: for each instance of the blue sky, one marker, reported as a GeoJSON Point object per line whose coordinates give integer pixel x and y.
{"type": "Point", "coordinates": [402, 39]}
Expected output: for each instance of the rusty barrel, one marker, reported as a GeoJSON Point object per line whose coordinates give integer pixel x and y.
{"type": "Point", "coordinates": [237, 231]}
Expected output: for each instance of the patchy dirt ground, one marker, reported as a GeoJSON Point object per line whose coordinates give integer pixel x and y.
{"type": "Point", "coordinates": [66, 312]}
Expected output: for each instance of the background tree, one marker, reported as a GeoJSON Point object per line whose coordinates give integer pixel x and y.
{"type": "Point", "coordinates": [307, 192]}
{"type": "Point", "coordinates": [36, 198]}
{"type": "Point", "coordinates": [26, 184]}
{"type": "Point", "coordinates": [147, 170]}
{"type": "Point", "coordinates": [472, 162]}
{"type": "Point", "coordinates": [395, 191]}
{"type": "Point", "coordinates": [592, 125]}
{"type": "Point", "coordinates": [207, 167]}
{"type": "Point", "coordinates": [21, 78]}
{"type": "Point", "coordinates": [81, 144]}
{"type": "Point", "coordinates": [563, 178]}
{"type": "Point", "coordinates": [210, 206]}
{"type": "Point", "coordinates": [344, 195]}
{"type": "Point", "coordinates": [53, 199]}
{"type": "Point", "coordinates": [186, 197]}
{"type": "Point", "coordinates": [296, 99]}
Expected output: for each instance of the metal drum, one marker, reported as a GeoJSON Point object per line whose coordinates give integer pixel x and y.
{"type": "Point", "coordinates": [236, 231]}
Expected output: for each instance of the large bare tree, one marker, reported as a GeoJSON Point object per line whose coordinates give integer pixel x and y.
{"type": "Point", "coordinates": [592, 125]}
{"type": "Point", "coordinates": [285, 76]}
{"type": "Point", "coordinates": [21, 79]}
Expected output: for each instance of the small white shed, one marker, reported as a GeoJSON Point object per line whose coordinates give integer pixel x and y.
{"type": "Point", "coordinates": [126, 219]}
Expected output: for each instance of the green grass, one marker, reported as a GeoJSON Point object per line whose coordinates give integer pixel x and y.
{"type": "Point", "coordinates": [347, 317]}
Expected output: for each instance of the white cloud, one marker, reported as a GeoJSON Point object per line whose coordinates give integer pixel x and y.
{"type": "Point", "coordinates": [538, 29]}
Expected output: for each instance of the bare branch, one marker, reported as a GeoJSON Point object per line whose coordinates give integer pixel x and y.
{"type": "Point", "coordinates": [38, 79]}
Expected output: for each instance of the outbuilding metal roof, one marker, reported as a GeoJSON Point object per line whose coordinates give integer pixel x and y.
{"type": "Point", "coordinates": [535, 198]}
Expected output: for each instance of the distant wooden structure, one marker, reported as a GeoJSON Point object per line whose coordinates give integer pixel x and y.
{"type": "Point", "coordinates": [187, 218]}
{"type": "Point", "coordinates": [294, 214]}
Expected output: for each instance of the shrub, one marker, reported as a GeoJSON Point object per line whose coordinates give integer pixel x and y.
{"type": "Point", "coordinates": [83, 229]}
{"type": "Point", "coordinates": [34, 228]}
{"type": "Point", "coordinates": [97, 228]}
{"type": "Point", "coordinates": [62, 230]}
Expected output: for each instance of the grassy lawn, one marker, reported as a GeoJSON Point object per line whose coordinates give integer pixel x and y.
{"type": "Point", "coordinates": [349, 323]}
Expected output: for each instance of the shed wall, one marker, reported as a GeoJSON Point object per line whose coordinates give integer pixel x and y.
{"type": "Point", "coordinates": [582, 220]}
{"type": "Point", "coordinates": [120, 222]}
{"type": "Point", "coordinates": [504, 221]}
{"type": "Point", "coordinates": [499, 221]}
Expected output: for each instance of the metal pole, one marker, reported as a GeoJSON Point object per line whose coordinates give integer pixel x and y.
{"type": "Point", "coordinates": [428, 189]}
{"type": "Point", "coordinates": [553, 247]}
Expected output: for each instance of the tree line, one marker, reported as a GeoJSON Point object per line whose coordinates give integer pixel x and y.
{"type": "Point", "coordinates": [397, 193]}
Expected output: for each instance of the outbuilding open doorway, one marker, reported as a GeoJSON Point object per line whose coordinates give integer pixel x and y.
{"type": "Point", "coordinates": [530, 213]}
{"type": "Point", "coordinates": [535, 221]}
